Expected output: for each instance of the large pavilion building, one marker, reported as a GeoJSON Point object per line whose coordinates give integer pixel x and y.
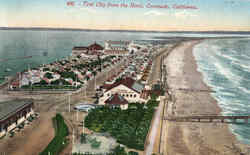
{"type": "Point", "coordinates": [128, 88]}
{"type": "Point", "coordinates": [93, 49]}
{"type": "Point", "coordinates": [13, 113]}
{"type": "Point", "coordinates": [117, 47]}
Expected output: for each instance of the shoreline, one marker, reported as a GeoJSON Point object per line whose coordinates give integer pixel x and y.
{"type": "Point", "coordinates": [194, 138]}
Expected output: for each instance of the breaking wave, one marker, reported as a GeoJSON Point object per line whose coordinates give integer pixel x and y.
{"type": "Point", "coordinates": [225, 66]}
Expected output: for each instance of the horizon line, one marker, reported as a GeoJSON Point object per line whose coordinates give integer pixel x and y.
{"type": "Point", "coordinates": [123, 30]}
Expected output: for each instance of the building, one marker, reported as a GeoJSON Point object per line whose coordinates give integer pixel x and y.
{"type": "Point", "coordinates": [117, 100]}
{"type": "Point", "coordinates": [92, 49]}
{"type": "Point", "coordinates": [95, 47]}
{"type": "Point", "coordinates": [77, 50]}
{"type": "Point", "coordinates": [14, 85]}
{"type": "Point", "coordinates": [116, 52]}
{"type": "Point", "coordinates": [128, 88]}
{"type": "Point", "coordinates": [117, 47]}
{"type": "Point", "coordinates": [13, 113]}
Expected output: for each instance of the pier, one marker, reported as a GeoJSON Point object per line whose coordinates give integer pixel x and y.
{"type": "Point", "coordinates": [209, 118]}
{"type": "Point", "coordinates": [192, 90]}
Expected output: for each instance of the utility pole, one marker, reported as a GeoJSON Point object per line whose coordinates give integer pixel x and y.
{"type": "Point", "coordinates": [69, 102]}
{"type": "Point", "coordinates": [95, 82]}
{"type": "Point", "coordinates": [73, 137]}
{"type": "Point", "coordinates": [85, 91]}
{"type": "Point", "coordinates": [20, 79]}
{"type": "Point", "coordinates": [77, 115]}
{"type": "Point", "coordinates": [6, 79]}
{"type": "Point", "coordinates": [83, 129]}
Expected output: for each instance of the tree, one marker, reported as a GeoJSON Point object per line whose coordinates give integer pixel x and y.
{"type": "Point", "coordinates": [118, 79]}
{"type": "Point", "coordinates": [129, 127]}
{"type": "Point", "coordinates": [48, 75]}
{"type": "Point", "coordinates": [83, 138]}
{"type": "Point", "coordinates": [94, 73]}
{"type": "Point", "coordinates": [56, 82]}
{"type": "Point", "coordinates": [119, 150]}
{"type": "Point", "coordinates": [43, 82]}
{"type": "Point", "coordinates": [132, 153]}
{"type": "Point", "coordinates": [100, 62]}
{"type": "Point", "coordinates": [70, 74]}
{"type": "Point", "coordinates": [87, 78]}
{"type": "Point", "coordinates": [46, 69]}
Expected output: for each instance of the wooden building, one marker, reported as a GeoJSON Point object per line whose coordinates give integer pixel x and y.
{"type": "Point", "coordinates": [13, 113]}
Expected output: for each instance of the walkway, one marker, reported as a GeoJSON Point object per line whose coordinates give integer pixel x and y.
{"type": "Point", "coordinates": [154, 129]}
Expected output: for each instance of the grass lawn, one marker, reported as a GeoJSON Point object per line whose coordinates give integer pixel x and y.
{"type": "Point", "coordinates": [59, 142]}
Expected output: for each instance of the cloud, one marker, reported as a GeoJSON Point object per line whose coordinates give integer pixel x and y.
{"type": "Point", "coordinates": [184, 14]}
{"type": "Point", "coordinates": [154, 13]}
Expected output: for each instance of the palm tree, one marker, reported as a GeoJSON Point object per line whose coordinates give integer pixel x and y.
{"type": "Point", "coordinates": [87, 78]}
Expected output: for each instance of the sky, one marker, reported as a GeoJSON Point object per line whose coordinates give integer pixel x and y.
{"type": "Point", "coordinates": [191, 15]}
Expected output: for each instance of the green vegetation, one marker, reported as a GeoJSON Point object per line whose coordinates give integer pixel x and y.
{"type": "Point", "coordinates": [119, 150]}
{"type": "Point", "coordinates": [129, 127]}
{"type": "Point", "coordinates": [132, 153]}
{"type": "Point", "coordinates": [48, 75]}
{"type": "Point", "coordinates": [60, 82]}
{"type": "Point", "coordinates": [83, 138]}
{"type": "Point", "coordinates": [43, 82]}
{"type": "Point", "coordinates": [59, 142]}
{"type": "Point", "coordinates": [116, 151]}
{"type": "Point", "coordinates": [46, 69]}
{"type": "Point", "coordinates": [70, 74]}
{"type": "Point", "coordinates": [94, 143]}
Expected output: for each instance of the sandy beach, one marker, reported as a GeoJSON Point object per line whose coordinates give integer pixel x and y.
{"type": "Point", "coordinates": [190, 138]}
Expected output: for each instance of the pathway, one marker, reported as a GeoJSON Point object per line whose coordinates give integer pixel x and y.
{"type": "Point", "coordinates": [154, 129]}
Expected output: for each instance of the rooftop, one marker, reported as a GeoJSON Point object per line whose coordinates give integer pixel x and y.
{"type": "Point", "coordinates": [95, 46]}
{"type": "Point", "coordinates": [9, 108]}
{"type": "Point", "coordinates": [118, 42]}
{"type": "Point", "coordinates": [128, 82]}
{"type": "Point", "coordinates": [80, 48]}
{"type": "Point", "coordinates": [116, 99]}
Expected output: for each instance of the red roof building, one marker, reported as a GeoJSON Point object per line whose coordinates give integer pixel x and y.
{"type": "Point", "coordinates": [15, 84]}
{"type": "Point", "coordinates": [128, 82]}
{"type": "Point", "coordinates": [95, 46]}
{"type": "Point", "coordinates": [117, 100]}
{"type": "Point", "coordinates": [106, 86]}
{"type": "Point", "coordinates": [93, 49]}
{"type": "Point", "coordinates": [127, 87]}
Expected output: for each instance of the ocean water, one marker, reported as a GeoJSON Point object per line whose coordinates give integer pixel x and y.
{"type": "Point", "coordinates": [225, 66]}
